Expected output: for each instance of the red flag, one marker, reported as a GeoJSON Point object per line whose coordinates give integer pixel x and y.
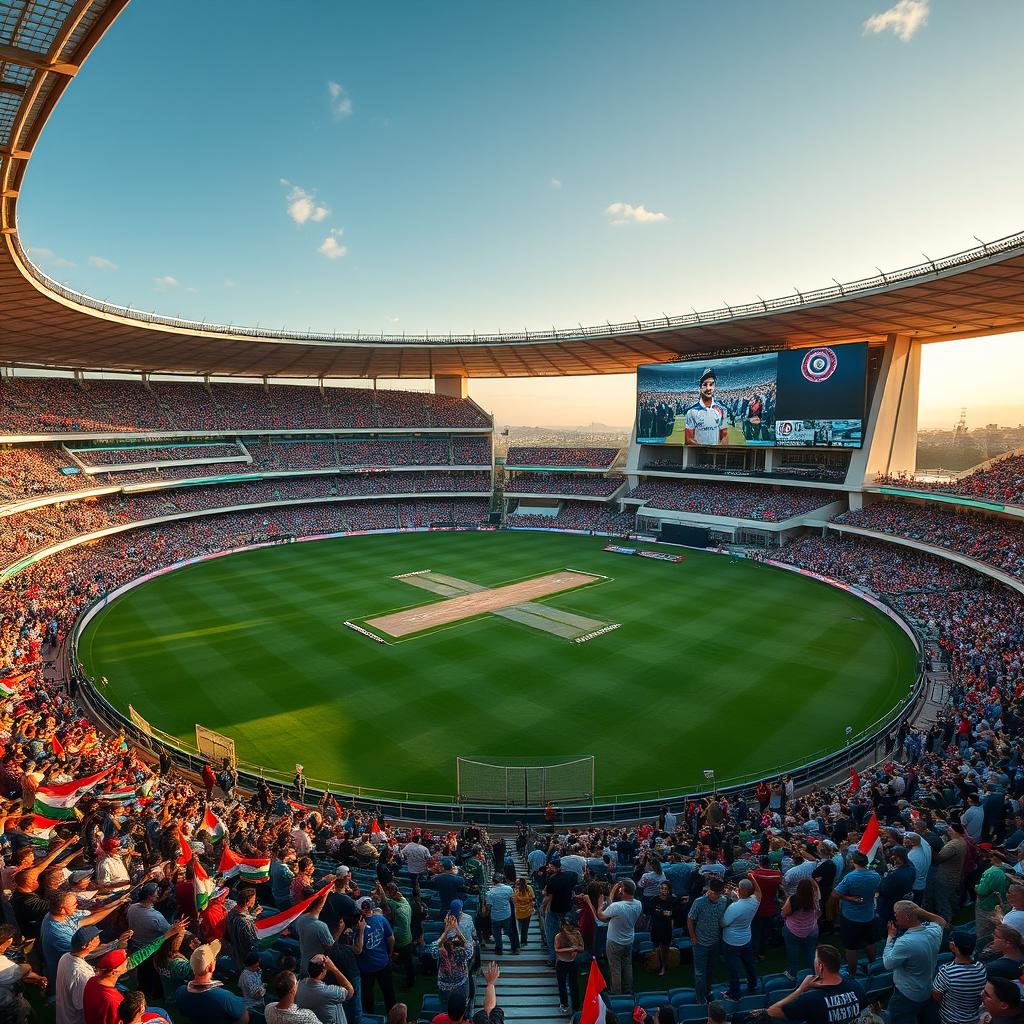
{"type": "Point", "coordinates": [870, 841]}
{"type": "Point", "coordinates": [337, 809]}
{"type": "Point", "coordinates": [593, 1005]}
{"type": "Point", "coordinates": [58, 747]}
{"type": "Point", "coordinates": [854, 781]}
{"type": "Point", "coordinates": [186, 850]}
{"type": "Point", "coordinates": [374, 828]}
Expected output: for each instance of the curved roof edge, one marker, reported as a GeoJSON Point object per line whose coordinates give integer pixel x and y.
{"type": "Point", "coordinates": [976, 292]}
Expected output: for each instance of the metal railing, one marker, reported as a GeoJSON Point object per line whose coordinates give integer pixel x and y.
{"type": "Point", "coordinates": [884, 279]}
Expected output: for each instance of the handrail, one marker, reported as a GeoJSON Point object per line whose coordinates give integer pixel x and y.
{"type": "Point", "coordinates": [920, 271]}
{"type": "Point", "coordinates": [446, 807]}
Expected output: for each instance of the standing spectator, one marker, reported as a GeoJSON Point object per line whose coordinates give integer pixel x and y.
{"type": "Point", "coordinates": [204, 1000]}
{"type": "Point", "coordinates": [314, 936]}
{"type": "Point", "coordinates": [101, 996]}
{"type": "Point", "coordinates": [14, 975]}
{"type": "Point", "coordinates": [704, 923]}
{"type": "Point", "coordinates": [949, 872]}
{"type": "Point", "coordinates": [858, 924]}
{"type": "Point", "coordinates": [737, 941]}
{"type": "Point", "coordinates": [557, 902]}
{"type": "Point", "coordinates": [769, 879]}
{"type": "Point", "coordinates": [454, 954]}
{"type": "Point", "coordinates": [989, 894]}
{"type": "Point", "coordinates": [299, 783]}
{"type": "Point", "coordinates": [958, 985]}
{"type": "Point", "coordinates": [61, 923]}
{"type": "Point", "coordinates": [800, 928]}
{"type": "Point", "coordinates": [568, 946]}
{"type": "Point", "coordinates": [375, 958]}
{"type": "Point", "coordinates": [499, 899]}
{"type": "Point", "coordinates": [400, 916]}
{"type": "Point", "coordinates": [416, 856]}
{"type": "Point", "coordinates": [284, 1010]}
{"type": "Point", "coordinates": [1001, 1001]}
{"type": "Point", "coordinates": [664, 909]}
{"type": "Point", "coordinates": [621, 913]}
{"type": "Point", "coordinates": [897, 884]}
{"type": "Point", "coordinates": [911, 957]}
{"type": "Point", "coordinates": [322, 997]}
{"type": "Point", "coordinates": [250, 982]}
{"type": "Point", "coordinates": [525, 902]}
{"type": "Point", "coordinates": [209, 779]}
{"type": "Point", "coordinates": [919, 854]}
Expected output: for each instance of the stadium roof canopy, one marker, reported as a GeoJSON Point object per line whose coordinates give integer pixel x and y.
{"type": "Point", "coordinates": [43, 43]}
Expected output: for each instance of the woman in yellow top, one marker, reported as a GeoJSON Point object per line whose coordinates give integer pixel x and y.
{"type": "Point", "coordinates": [525, 902]}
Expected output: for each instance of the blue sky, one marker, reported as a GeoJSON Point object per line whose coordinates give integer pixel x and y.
{"type": "Point", "coordinates": [457, 166]}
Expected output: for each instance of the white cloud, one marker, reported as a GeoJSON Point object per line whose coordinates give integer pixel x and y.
{"type": "Point", "coordinates": [48, 256]}
{"type": "Point", "coordinates": [341, 102]}
{"type": "Point", "coordinates": [625, 213]}
{"type": "Point", "coordinates": [331, 247]}
{"type": "Point", "coordinates": [903, 19]}
{"type": "Point", "coordinates": [165, 283]}
{"type": "Point", "coordinates": [102, 264]}
{"type": "Point", "coordinates": [302, 204]}
{"type": "Point", "coordinates": [554, 183]}
{"type": "Point", "coordinates": [392, 319]}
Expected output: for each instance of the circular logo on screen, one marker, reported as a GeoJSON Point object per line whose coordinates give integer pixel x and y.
{"type": "Point", "coordinates": [819, 364]}
{"type": "Point", "coordinates": [785, 428]}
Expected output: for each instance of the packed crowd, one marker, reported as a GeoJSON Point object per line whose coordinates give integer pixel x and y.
{"type": "Point", "coordinates": [331, 453]}
{"type": "Point", "coordinates": [589, 484]}
{"type": "Point", "coordinates": [30, 405]}
{"type": "Point", "coordinates": [740, 501]}
{"type": "Point", "coordinates": [134, 454]}
{"type": "Point", "coordinates": [996, 542]}
{"type": "Point", "coordinates": [28, 471]}
{"type": "Point", "coordinates": [929, 919]}
{"type": "Point", "coordinates": [876, 565]}
{"type": "Point", "coordinates": [1001, 481]}
{"type": "Point", "coordinates": [578, 515]}
{"type": "Point", "coordinates": [25, 532]}
{"type": "Point", "coordinates": [569, 456]}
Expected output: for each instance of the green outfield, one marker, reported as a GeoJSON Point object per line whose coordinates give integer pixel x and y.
{"type": "Point", "coordinates": [733, 666]}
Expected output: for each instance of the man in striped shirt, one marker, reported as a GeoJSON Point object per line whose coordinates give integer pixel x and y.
{"type": "Point", "coordinates": [958, 985]}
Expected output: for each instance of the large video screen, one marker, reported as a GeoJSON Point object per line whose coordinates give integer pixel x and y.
{"type": "Point", "coordinates": [799, 398]}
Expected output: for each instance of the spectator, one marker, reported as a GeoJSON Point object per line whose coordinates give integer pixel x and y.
{"type": "Point", "coordinates": [911, 956]}
{"type": "Point", "coordinates": [958, 985]}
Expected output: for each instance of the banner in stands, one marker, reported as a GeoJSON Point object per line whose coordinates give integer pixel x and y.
{"type": "Point", "coordinates": [798, 398]}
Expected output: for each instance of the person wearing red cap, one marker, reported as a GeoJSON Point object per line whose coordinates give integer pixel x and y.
{"type": "Point", "coordinates": [102, 996]}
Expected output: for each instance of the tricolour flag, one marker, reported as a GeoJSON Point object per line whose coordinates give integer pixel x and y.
{"type": "Point", "coordinates": [119, 794]}
{"type": "Point", "coordinates": [7, 687]}
{"type": "Point", "coordinates": [58, 747]}
{"type": "Point", "coordinates": [268, 927]}
{"type": "Point", "coordinates": [854, 781]}
{"type": "Point", "coordinates": [58, 802]}
{"type": "Point", "coordinates": [249, 869]}
{"type": "Point", "coordinates": [203, 884]}
{"type": "Point", "coordinates": [870, 842]}
{"type": "Point", "coordinates": [593, 1005]}
{"type": "Point", "coordinates": [217, 829]}
{"type": "Point", "coordinates": [42, 830]}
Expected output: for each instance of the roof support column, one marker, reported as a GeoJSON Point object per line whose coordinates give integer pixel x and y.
{"type": "Point", "coordinates": [451, 384]}
{"type": "Point", "coordinates": [890, 440]}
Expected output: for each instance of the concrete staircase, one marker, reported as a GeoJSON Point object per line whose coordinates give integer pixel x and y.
{"type": "Point", "coordinates": [527, 990]}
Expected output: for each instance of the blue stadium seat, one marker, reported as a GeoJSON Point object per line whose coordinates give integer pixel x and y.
{"type": "Point", "coordinates": [620, 1004]}
{"type": "Point", "coordinates": [879, 985]}
{"type": "Point", "coordinates": [754, 1002]}
{"type": "Point", "coordinates": [682, 995]}
{"type": "Point", "coordinates": [944, 958]}
{"type": "Point", "coordinates": [652, 1000]}
{"type": "Point", "coordinates": [431, 1004]}
{"type": "Point", "coordinates": [692, 1013]}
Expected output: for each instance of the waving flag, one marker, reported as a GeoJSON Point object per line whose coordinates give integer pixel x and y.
{"type": "Point", "coordinates": [217, 829]}
{"type": "Point", "coordinates": [593, 1005]}
{"type": "Point", "coordinates": [119, 794]}
{"type": "Point", "coordinates": [268, 927]}
{"type": "Point", "coordinates": [250, 869]}
{"type": "Point", "coordinates": [43, 830]}
{"type": "Point", "coordinates": [58, 802]}
{"type": "Point", "coordinates": [203, 884]}
{"type": "Point", "coordinates": [870, 842]}
{"type": "Point", "coordinates": [58, 747]}
{"type": "Point", "coordinates": [186, 850]}
{"type": "Point", "coordinates": [854, 781]}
